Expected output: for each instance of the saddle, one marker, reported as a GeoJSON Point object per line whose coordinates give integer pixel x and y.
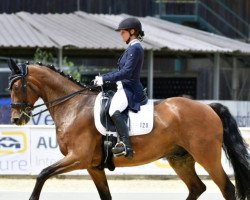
{"type": "Point", "coordinates": [105, 119]}
{"type": "Point", "coordinates": [139, 123]}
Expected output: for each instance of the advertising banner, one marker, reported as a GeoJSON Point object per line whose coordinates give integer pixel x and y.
{"type": "Point", "coordinates": [29, 149]}
{"type": "Point", "coordinates": [4, 110]}
{"type": "Point", "coordinates": [44, 148]}
{"type": "Point", "coordinates": [14, 150]}
{"type": "Point", "coordinates": [239, 109]}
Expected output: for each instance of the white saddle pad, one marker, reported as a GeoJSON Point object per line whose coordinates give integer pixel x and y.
{"type": "Point", "coordinates": [140, 122]}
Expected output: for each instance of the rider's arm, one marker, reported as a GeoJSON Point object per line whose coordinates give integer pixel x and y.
{"type": "Point", "coordinates": [126, 71]}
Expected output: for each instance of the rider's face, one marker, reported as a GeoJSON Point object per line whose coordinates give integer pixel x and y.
{"type": "Point", "coordinates": [124, 35]}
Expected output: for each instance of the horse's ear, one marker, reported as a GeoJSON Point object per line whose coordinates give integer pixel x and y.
{"type": "Point", "coordinates": [13, 66]}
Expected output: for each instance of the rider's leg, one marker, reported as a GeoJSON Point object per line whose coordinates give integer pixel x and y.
{"type": "Point", "coordinates": [123, 148]}
{"type": "Point", "coordinates": [118, 104]}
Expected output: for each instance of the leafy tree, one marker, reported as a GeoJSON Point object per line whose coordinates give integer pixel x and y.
{"type": "Point", "coordinates": [48, 58]}
{"type": "Point", "coordinates": [43, 56]}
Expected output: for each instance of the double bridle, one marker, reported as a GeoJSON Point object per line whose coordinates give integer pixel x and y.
{"type": "Point", "coordinates": [26, 107]}
{"type": "Point", "coordinates": [17, 74]}
{"type": "Point", "coordinates": [22, 105]}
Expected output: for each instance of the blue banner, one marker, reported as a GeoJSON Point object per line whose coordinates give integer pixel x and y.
{"type": "Point", "coordinates": [5, 110]}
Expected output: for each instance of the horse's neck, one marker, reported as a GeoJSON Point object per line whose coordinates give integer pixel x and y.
{"type": "Point", "coordinates": [51, 93]}
{"type": "Point", "coordinates": [53, 86]}
{"type": "Point", "coordinates": [62, 109]}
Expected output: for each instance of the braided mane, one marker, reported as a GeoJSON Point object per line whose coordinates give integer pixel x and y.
{"type": "Point", "coordinates": [69, 77]}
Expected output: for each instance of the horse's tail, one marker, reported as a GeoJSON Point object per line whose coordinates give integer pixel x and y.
{"type": "Point", "coordinates": [236, 150]}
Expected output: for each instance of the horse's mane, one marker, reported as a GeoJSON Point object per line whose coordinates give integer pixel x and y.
{"type": "Point", "coordinates": [69, 77]}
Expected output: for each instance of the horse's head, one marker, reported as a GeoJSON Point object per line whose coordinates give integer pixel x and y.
{"type": "Point", "coordinates": [23, 93]}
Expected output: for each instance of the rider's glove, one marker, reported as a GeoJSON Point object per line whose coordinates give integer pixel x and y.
{"type": "Point", "coordinates": [98, 81]}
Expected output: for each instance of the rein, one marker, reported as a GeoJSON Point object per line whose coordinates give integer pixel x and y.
{"type": "Point", "coordinates": [60, 99]}
{"type": "Point", "coordinates": [27, 107]}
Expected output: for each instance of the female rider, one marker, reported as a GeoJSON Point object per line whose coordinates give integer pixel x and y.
{"type": "Point", "coordinates": [129, 88]}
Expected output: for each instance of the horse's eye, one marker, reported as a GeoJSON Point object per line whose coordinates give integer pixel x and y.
{"type": "Point", "coordinates": [16, 87]}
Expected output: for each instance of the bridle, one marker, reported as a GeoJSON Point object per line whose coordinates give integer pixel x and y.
{"type": "Point", "coordinates": [23, 105]}
{"type": "Point", "coordinates": [26, 107]}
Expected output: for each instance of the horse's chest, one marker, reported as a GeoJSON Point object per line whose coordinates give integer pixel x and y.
{"type": "Point", "coordinates": [62, 140]}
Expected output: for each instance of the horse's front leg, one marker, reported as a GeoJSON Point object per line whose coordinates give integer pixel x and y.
{"type": "Point", "coordinates": [100, 180]}
{"type": "Point", "coordinates": [67, 164]}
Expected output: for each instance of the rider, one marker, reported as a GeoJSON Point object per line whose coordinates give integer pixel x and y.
{"type": "Point", "coordinates": [129, 88]}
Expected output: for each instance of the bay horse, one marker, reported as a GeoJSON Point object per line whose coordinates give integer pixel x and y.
{"type": "Point", "coordinates": [185, 131]}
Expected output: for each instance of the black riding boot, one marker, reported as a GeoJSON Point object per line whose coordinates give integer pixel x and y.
{"type": "Point", "coordinates": [124, 146]}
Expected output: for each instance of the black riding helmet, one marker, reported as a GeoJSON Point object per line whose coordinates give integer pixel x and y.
{"type": "Point", "coordinates": [131, 23]}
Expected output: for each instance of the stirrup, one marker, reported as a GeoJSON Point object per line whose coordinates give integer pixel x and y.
{"type": "Point", "coordinates": [119, 145]}
{"type": "Point", "coordinates": [126, 151]}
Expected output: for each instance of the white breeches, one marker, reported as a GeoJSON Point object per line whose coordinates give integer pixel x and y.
{"type": "Point", "coordinates": [119, 101]}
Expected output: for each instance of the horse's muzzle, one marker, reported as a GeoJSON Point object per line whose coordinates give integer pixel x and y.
{"type": "Point", "coordinates": [21, 119]}
{"type": "Point", "coordinates": [14, 120]}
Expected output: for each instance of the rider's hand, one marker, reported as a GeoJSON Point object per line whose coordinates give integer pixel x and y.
{"type": "Point", "coordinates": [98, 81]}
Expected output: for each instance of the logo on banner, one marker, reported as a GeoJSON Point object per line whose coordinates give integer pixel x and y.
{"type": "Point", "coordinates": [13, 142]}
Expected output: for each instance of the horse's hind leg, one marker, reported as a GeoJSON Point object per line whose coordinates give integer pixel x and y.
{"type": "Point", "coordinates": [184, 166]}
{"type": "Point", "coordinates": [218, 175]}
{"type": "Point", "coordinates": [221, 179]}
{"type": "Point", "coordinates": [100, 180]}
{"type": "Point", "coordinates": [212, 164]}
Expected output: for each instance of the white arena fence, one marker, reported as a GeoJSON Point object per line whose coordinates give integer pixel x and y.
{"type": "Point", "coordinates": [26, 150]}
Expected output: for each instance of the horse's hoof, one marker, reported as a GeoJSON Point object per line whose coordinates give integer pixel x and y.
{"type": "Point", "coordinates": [33, 198]}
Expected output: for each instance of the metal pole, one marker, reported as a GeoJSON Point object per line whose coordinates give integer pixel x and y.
{"type": "Point", "coordinates": [162, 8]}
{"type": "Point", "coordinates": [150, 64]}
{"type": "Point", "coordinates": [60, 57]}
{"type": "Point", "coordinates": [248, 33]}
{"type": "Point", "coordinates": [196, 8]}
{"type": "Point", "coordinates": [78, 5]}
{"type": "Point", "coordinates": [216, 84]}
{"type": "Point", "coordinates": [110, 7]}
{"type": "Point", "coordinates": [235, 79]}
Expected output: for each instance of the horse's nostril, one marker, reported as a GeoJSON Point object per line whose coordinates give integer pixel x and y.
{"type": "Point", "coordinates": [14, 120]}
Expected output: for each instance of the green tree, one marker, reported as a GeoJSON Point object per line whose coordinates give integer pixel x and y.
{"type": "Point", "coordinates": [72, 69]}
{"type": "Point", "coordinates": [48, 58]}
{"type": "Point", "coordinates": [43, 56]}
